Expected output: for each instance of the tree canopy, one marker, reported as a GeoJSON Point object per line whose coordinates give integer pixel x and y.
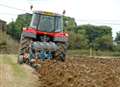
{"type": "Point", "coordinates": [85, 36]}
{"type": "Point", "coordinates": [117, 39]}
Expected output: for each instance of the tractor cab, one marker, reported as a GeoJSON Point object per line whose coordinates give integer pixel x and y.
{"type": "Point", "coordinates": [47, 22]}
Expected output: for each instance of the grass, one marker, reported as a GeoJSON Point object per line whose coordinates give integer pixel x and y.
{"type": "Point", "coordinates": [95, 53]}
{"type": "Point", "coordinates": [1, 59]}
{"type": "Point", "coordinates": [13, 74]}
{"type": "Point", "coordinates": [17, 69]}
{"type": "Point", "coordinates": [7, 44]}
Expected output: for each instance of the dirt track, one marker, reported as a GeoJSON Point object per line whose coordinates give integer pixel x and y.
{"type": "Point", "coordinates": [14, 75]}
{"type": "Point", "coordinates": [82, 72]}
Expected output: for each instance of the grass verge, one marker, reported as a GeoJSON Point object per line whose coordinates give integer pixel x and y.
{"type": "Point", "coordinates": [17, 69]}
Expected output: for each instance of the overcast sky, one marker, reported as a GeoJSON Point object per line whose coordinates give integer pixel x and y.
{"type": "Point", "coordinates": [97, 12]}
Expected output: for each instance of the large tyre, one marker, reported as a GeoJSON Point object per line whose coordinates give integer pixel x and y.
{"type": "Point", "coordinates": [60, 54]}
{"type": "Point", "coordinates": [24, 45]}
{"type": "Point", "coordinates": [24, 48]}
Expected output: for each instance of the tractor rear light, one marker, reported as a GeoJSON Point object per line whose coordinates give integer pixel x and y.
{"type": "Point", "coordinates": [24, 28]}
{"type": "Point", "coordinates": [66, 34]}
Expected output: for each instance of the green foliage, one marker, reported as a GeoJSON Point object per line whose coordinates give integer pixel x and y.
{"type": "Point", "coordinates": [117, 39]}
{"type": "Point", "coordinates": [15, 28]}
{"type": "Point", "coordinates": [85, 53]}
{"type": "Point", "coordinates": [117, 42]}
{"type": "Point", "coordinates": [23, 21]}
{"type": "Point", "coordinates": [116, 47]}
{"type": "Point", "coordinates": [13, 31]}
{"type": "Point", "coordinates": [68, 23]}
{"type": "Point", "coordinates": [2, 41]}
{"type": "Point", "coordinates": [86, 36]}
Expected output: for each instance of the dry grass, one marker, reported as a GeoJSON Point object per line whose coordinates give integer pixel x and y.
{"type": "Point", "coordinates": [80, 52]}
{"type": "Point", "coordinates": [7, 44]}
{"type": "Point", "coordinates": [14, 75]}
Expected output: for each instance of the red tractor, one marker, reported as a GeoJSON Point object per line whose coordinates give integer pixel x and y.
{"type": "Point", "coordinates": [44, 39]}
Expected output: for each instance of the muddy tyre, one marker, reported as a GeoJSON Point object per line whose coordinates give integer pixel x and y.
{"type": "Point", "coordinates": [60, 54]}
{"type": "Point", "coordinates": [24, 48]}
{"type": "Point", "coordinates": [24, 45]}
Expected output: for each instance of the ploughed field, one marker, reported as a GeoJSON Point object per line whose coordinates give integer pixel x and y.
{"type": "Point", "coordinates": [80, 72]}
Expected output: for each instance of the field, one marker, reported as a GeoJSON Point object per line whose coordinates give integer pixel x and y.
{"type": "Point", "coordinates": [75, 72]}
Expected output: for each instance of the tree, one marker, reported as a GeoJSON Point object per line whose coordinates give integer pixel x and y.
{"type": "Point", "coordinates": [15, 28]}
{"type": "Point", "coordinates": [69, 23]}
{"type": "Point", "coordinates": [13, 31]}
{"type": "Point", "coordinates": [117, 39]}
{"type": "Point", "coordinates": [90, 36]}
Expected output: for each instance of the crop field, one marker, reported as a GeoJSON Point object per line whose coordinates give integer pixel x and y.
{"type": "Point", "coordinates": [74, 72]}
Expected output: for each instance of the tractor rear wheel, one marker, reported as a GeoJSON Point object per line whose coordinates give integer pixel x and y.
{"type": "Point", "coordinates": [24, 49]}
{"type": "Point", "coordinates": [60, 54]}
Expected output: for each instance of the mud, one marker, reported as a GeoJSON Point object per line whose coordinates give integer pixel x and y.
{"type": "Point", "coordinates": [80, 72]}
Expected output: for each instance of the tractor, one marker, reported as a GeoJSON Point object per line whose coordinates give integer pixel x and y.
{"type": "Point", "coordinates": [44, 39]}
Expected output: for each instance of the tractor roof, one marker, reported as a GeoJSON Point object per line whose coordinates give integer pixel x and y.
{"type": "Point", "coordinates": [47, 13]}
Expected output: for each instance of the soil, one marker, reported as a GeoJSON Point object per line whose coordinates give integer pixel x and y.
{"type": "Point", "coordinates": [80, 72]}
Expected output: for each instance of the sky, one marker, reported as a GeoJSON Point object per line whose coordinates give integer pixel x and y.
{"type": "Point", "coordinates": [96, 12]}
